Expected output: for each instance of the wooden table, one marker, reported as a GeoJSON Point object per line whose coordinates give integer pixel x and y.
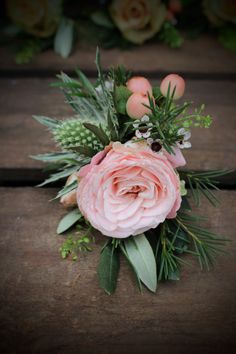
{"type": "Point", "coordinates": [55, 306]}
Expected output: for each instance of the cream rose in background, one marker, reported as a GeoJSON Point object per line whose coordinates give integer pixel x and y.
{"type": "Point", "coordinates": [138, 20]}
{"type": "Point", "coordinates": [130, 191]}
{"type": "Point", "coordinates": [37, 17]}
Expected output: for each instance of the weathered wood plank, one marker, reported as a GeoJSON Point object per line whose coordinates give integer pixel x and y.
{"type": "Point", "coordinates": [204, 55]}
{"type": "Point", "coordinates": [21, 136]}
{"type": "Point", "coordinates": [53, 306]}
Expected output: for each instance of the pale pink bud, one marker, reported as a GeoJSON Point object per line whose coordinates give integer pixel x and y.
{"type": "Point", "coordinates": [176, 82]}
{"type": "Point", "coordinates": [135, 105]}
{"type": "Point", "coordinates": [139, 84]}
{"type": "Point", "coordinates": [69, 200]}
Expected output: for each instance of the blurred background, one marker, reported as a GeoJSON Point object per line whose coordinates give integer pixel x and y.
{"type": "Point", "coordinates": [31, 27]}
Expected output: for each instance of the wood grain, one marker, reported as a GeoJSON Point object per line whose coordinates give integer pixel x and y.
{"type": "Point", "coordinates": [21, 136]}
{"type": "Point", "coordinates": [204, 55]}
{"type": "Point", "coordinates": [55, 306]}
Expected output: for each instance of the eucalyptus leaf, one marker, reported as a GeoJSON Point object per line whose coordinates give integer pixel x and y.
{"type": "Point", "coordinates": [67, 189]}
{"type": "Point", "coordinates": [86, 83]}
{"type": "Point", "coordinates": [131, 265]}
{"type": "Point", "coordinates": [112, 127]}
{"type": "Point", "coordinates": [108, 268]}
{"type": "Point", "coordinates": [68, 221]}
{"type": "Point", "coordinates": [141, 256]}
{"type": "Point", "coordinates": [51, 123]}
{"type": "Point", "coordinates": [54, 156]}
{"type": "Point", "coordinates": [63, 41]}
{"type": "Point", "coordinates": [59, 175]}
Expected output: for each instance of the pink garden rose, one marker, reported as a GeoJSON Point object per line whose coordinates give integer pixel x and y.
{"type": "Point", "coordinates": [129, 191]}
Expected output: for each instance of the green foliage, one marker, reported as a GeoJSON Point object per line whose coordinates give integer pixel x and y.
{"type": "Point", "coordinates": [121, 96]}
{"type": "Point", "coordinates": [56, 157]}
{"type": "Point", "coordinates": [156, 92]}
{"type": "Point", "coordinates": [65, 172]}
{"type": "Point", "coordinates": [73, 245]}
{"type": "Point", "coordinates": [101, 31]}
{"type": "Point", "coordinates": [108, 268]}
{"type": "Point", "coordinates": [67, 189]}
{"type": "Point", "coordinates": [83, 98]}
{"type": "Point", "coordinates": [227, 36]}
{"type": "Point", "coordinates": [206, 244]}
{"type": "Point", "coordinates": [28, 50]}
{"type": "Point", "coordinates": [73, 133]}
{"type": "Point", "coordinates": [51, 123]}
{"type": "Point", "coordinates": [68, 221]}
{"type": "Point", "coordinates": [119, 74]}
{"type": "Point", "coordinates": [196, 119]}
{"type": "Point", "coordinates": [98, 132]}
{"type": "Point", "coordinates": [102, 18]}
{"type": "Point", "coordinates": [168, 117]}
{"type": "Point", "coordinates": [140, 255]}
{"type": "Point", "coordinates": [170, 35]}
{"type": "Point", "coordinates": [203, 183]}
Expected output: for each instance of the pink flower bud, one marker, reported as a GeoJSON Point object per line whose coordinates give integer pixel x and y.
{"type": "Point", "coordinates": [139, 84]}
{"type": "Point", "coordinates": [134, 106]}
{"type": "Point", "coordinates": [176, 82]}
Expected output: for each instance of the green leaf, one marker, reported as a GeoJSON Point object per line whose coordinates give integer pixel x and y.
{"type": "Point", "coordinates": [63, 41]}
{"type": "Point", "coordinates": [185, 204]}
{"type": "Point", "coordinates": [100, 73]}
{"type": "Point", "coordinates": [59, 175]}
{"type": "Point", "coordinates": [29, 48]}
{"type": "Point", "coordinates": [98, 132]}
{"type": "Point", "coordinates": [142, 257]}
{"type": "Point", "coordinates": [203, 183]}
{"type": "Point", "coordinates": [170, 35]}
{"type": "Point", "coordinates": [227, 36]}
{"type": "Point", "coordinates": [67, 189]}
{"type": "Point", "coordinates": [55, 156]}
{"type": "Point", "coordinates": [111, 124]}
{"type": "Point", "coordinates": [84, 150]}
{"type": "Point", "coordinates": [156, 91]}
{"type": "Point", "coordinates": [108, 268]}
{"type": "Point", "coordinates": [48, 122]}
{"type": "Point", "coordinates": [68, 221]}
{"type": "Point", "coordinates": [86, 83]}
{"type": "Point", "coordinates": [123, 250]}
{"type": "Point", "coordinates": [174, 275]}
{"type": "Point", "coordinates": [102, 18]}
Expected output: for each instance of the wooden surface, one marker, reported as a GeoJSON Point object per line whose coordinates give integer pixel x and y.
{"type": "Point", "coordinates": [55, 306]}
{"type": "Point", "coordinates": [51, 306]}
{"type": "Point", "coordinates": [204, 55]}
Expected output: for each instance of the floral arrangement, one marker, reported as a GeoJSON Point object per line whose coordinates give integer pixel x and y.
{"type": "Point", "coordinates": [122, 157]}
{"type": "Point", "coordinates": [34, 26]}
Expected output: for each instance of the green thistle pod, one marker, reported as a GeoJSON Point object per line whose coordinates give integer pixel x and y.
{"type": "Point", "coordinates": [71, 133]}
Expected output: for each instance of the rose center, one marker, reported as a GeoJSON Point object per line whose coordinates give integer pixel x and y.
{"type": "Point", "coordinates": [135, 190]}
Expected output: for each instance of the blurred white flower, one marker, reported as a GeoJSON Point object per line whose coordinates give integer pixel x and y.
{"type": "Point", "coordinates": [109, 84]}
{"type": "Point", "coordinates": [184, 143]}
{"type": "Point", "coordinates": [143, 126]}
